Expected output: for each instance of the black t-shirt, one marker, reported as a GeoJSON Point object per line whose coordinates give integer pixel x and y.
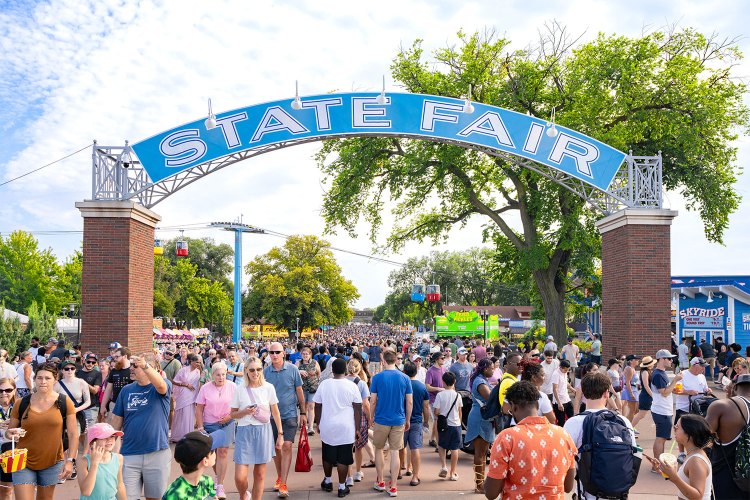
{"type": "Point", "coordinates": [59, 353]}
{"type": "Point", "coordinates": [118, 379]}
{"type": "Point", "coordinates": [94, 377]}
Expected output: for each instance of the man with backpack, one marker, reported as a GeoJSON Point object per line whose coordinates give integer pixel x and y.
{"type": "Point", "coordinates": [606, 444]}
{"type": "Point", "coordinates": [730, 455]}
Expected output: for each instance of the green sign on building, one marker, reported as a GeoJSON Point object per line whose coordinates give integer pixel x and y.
{"type": "Point", "coordinates": [466, 323]}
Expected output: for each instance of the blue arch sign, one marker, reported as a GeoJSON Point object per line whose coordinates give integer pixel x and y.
{"type": "Point", "coordinates": [360, 114]}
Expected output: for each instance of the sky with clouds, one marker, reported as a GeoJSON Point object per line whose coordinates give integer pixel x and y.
{"type": "Point", "coordinates": [72, 71]}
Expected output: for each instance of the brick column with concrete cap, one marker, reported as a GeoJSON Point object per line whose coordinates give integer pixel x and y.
{"type": "Point", "coordinates": [118, 275]}
{"type": "Point", "coordinates": [636, 273]}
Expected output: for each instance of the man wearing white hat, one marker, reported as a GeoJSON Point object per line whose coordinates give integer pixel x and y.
{"type": "Point", "coordinates": [550, 345]}
{"type": "Point", "coordinates": [693, 384]}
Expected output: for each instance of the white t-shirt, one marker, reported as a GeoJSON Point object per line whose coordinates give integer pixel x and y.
{"type": "Point", "coordinates": [421, 374]}
{"type": "Point", "coordinates": [682, 355]}
{"type": "Point", "coordinates": [337, 395]}
{"type": "Point", "coordinates": [561, 379]}
{"type": "Point", "coordinates": [545, 405]}
{"type": "Point", "coordinates": [690, 382]}
{"type": "Point", "coordinates": [8, 371]}
{"type": "Point", "coordinates": [443, 402]}
{"type": "Point", "coordinates": [264, 395]}
{"type": "Point", "coordinates": [574, 427]}
{"type": "Point", "coordinates": [549, 369]}
{"type": "Point", "coordinates": [570, 352]}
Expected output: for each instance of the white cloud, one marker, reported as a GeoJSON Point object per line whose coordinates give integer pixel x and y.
{"type": "Point", "coordinates": [113, 70]}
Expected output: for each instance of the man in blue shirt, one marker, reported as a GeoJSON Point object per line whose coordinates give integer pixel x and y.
{"type": "Point", "coordinates": [391, 408]}
{"type": "Point", "coordinates": [142, 413]}
{"type": "Point", "coordinates": [287, 381]}
{"type": "Point", "coordinates": [375, 352]}
{"type": "Point", "coordinates": [413, 437]}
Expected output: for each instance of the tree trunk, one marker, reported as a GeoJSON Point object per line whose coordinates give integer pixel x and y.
{"type": "Point", "coordinates": [554, 306]}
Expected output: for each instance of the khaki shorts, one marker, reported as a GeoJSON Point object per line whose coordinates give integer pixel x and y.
{"type": "Point", "coordinates": [392, 434]}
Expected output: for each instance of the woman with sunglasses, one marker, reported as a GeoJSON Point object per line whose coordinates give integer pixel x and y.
{"type": "Point", "coordinates": [186, 384]}
{"type": "Point", "coordinates": [251, 406]}
{"type": "Point", "coordinates": [40, 431]}
{"type": "Point", "coordinates": [77, 391]}
{"type": "Point", "coordinates": [7, 398]}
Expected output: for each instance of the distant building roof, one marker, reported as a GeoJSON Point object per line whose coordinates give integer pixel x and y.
{"type": "Point", "coordinates": [733, 286]}
{"type": "Point", "coordinates": [504, 312]}
{"type": "Point", "coordinates": [7, 313]}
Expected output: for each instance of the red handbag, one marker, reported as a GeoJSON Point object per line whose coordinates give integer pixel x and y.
{"type": "Point", "coordinates": [304, 461]}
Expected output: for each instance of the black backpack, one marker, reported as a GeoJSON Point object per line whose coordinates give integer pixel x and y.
{"type": "Point", "coordinates": [699, 404]}
{"type": "Point", "coordinates": [607, 465]}
{"type": "Point", "coordinates": [62, 405]}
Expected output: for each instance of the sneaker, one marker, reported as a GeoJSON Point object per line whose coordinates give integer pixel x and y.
{"type": "Point", "coordinates": [358, 476]}
{"type": "Point", "coordinates": [326, 486]}
{"type": "Point", "coordinates": [277, 484]}
{"type": "Point", "coordinates": [74, 474]}
{"type": "Point", "coordinates": [433, 443]}
{"type": "Point", "coordinates": [283, 491]}
{"type": "Point", "coordinates": [443, 473]}
{"type": "Point", "coordinates": [220, 493]}
{"type": "Point", "coordinates": [454, 477]}
{"type": "Point", "coordinates": [681, 458]}
{"type": "Point", "coordinates": [344, 492]}
{"type": "Point", "coordinates": [392, 491]}
{"type": "Point", "coordinates": [349, 481]}
{"type": "Point", "coordinates": [379, 486]}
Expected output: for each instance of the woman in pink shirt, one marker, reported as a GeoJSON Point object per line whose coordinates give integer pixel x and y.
{"type": "Point", "coordinates": [212, 413]}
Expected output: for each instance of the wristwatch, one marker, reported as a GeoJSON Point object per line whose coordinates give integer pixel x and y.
{"type": "Point", "coordinates": [69, 459]}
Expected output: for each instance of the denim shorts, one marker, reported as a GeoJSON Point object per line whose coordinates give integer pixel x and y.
{"type": "Point", "coordinates": [413, 437]}
{"type": "Point", "coordinates": [309, 396]}
{"type": "Point", "coordinates": [41, 478]}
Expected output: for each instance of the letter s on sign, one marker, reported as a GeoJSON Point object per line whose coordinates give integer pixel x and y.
{"type": "Point", "coordinates": [182, 148]}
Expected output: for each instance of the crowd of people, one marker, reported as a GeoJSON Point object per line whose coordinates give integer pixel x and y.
{"type": "Point", "coordinates": [539, 422]}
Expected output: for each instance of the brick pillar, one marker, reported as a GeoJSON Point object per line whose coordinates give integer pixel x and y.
{"type": "Point", "coordinates": [636, 273]}
{"type": "Point", "coordinates": [118, 275]}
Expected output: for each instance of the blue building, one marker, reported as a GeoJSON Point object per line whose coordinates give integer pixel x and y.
{"type": "Point", "coordinates": [707, 307]}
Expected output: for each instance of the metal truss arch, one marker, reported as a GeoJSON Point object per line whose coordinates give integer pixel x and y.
{"type": "Point", "coordinates": [117, 174]}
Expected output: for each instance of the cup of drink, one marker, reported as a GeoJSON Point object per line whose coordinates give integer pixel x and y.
{"type": "Point", "coordinates": [668, 459]}
{"type": "Point", "coordinates": [678, 387]}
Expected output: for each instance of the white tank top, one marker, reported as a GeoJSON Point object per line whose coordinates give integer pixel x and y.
{"type": "Point", "coordinates": [709, 479]}
{"type": "Point", "coordinates": [21, 381]}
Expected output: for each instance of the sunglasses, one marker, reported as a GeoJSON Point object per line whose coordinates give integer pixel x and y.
{"type": "Point", "coordinates": [90, 361]}
{"type": "Point", "coordinates": [7, 391]}
{"type": "Point", "coordinates": [253, 370]}
{"type": "Point", "coordinates": [69, 369]}
{"type": "Point", "coordinates": [275, 352]}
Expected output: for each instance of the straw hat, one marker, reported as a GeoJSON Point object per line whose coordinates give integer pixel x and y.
{"type": "Point", "coordinates": [647, 362]}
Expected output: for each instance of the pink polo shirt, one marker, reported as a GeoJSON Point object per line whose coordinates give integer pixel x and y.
{"type": "Point", "coordinates": [216, 400]}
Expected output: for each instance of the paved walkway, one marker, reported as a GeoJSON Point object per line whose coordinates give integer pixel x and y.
{"type": "Point", "coordinates": [307, 485]}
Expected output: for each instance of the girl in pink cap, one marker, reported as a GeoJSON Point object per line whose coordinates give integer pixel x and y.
{"type": "Point", "coordinates": [100, 474]}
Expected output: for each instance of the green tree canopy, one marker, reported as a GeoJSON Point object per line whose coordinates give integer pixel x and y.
{"type": "Point", "coordinates": [28, 274]}
{"type": "Point", "coordinates": [213, 262]}
{"type": "Point", "coordinates": [299, 280]}
{"type": "Point", "coordinates": [669, 91]}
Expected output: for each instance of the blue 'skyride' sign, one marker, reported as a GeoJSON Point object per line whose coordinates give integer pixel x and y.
{"type": "Point", "coordinates": [413, 115]}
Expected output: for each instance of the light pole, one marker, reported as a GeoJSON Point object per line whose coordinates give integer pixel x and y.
{"type": "Point", "coordinates": [238, 228]}
{"type": "Point", "coordinates": [484, 314]}
{"type": "Point", "coordinates": [297, 327]}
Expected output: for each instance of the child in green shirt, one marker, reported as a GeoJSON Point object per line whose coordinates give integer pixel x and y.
{"type": "Point", "coordinates": [194, 453]}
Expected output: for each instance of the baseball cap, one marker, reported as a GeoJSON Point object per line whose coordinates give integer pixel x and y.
{"type": "Point", "coordinates": [664, 353]}
{"type": "Point", "coordinates": [743, 379]}
{"type": "Point", "coordinates": [72, 353]}
{"type": "Point", "coordinates": [52, 340]}
{"type": "Point", "coordinates": [698, 361]}
{"type": "Point", "coordinates": [193, 448]}
{"type": "Point", "coordinates": [416, 357]}
{"type": "Point", "coordinates": [550, 337]}
{"type": "Point", "coordinates": [115, 345]}
{"type": "Point", "coordinates": [66, 363]}
{"type": "Point", "coordinates": [102, 431]}
{"type": "Point", "coordinates": [462, 350]}
{"type": "Point", "coordinates": [91, 355]}
{"type": "Point", "coordinates": [631, 357]}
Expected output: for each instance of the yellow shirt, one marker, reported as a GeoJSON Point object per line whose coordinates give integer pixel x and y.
{"type": "Point", "coordinates": [506, 382]}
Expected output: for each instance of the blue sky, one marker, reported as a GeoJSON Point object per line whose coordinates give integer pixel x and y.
{"type": "Point", "coordinates": [75, 70]}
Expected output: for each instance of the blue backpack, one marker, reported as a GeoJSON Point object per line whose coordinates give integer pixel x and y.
{"type": "Point", "coordinates": [607, 464]}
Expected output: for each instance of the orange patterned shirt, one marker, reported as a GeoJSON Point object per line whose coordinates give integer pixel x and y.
{"type": "Point", "coordinates": [533, 458]}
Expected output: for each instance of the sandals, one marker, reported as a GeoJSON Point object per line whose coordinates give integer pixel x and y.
{"type": "Point", "coordinates": [368, 465]}
{"type": "Point", "coordinates": [407, 473]}
{"type": "Point", "coordinates": [414, 482]}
